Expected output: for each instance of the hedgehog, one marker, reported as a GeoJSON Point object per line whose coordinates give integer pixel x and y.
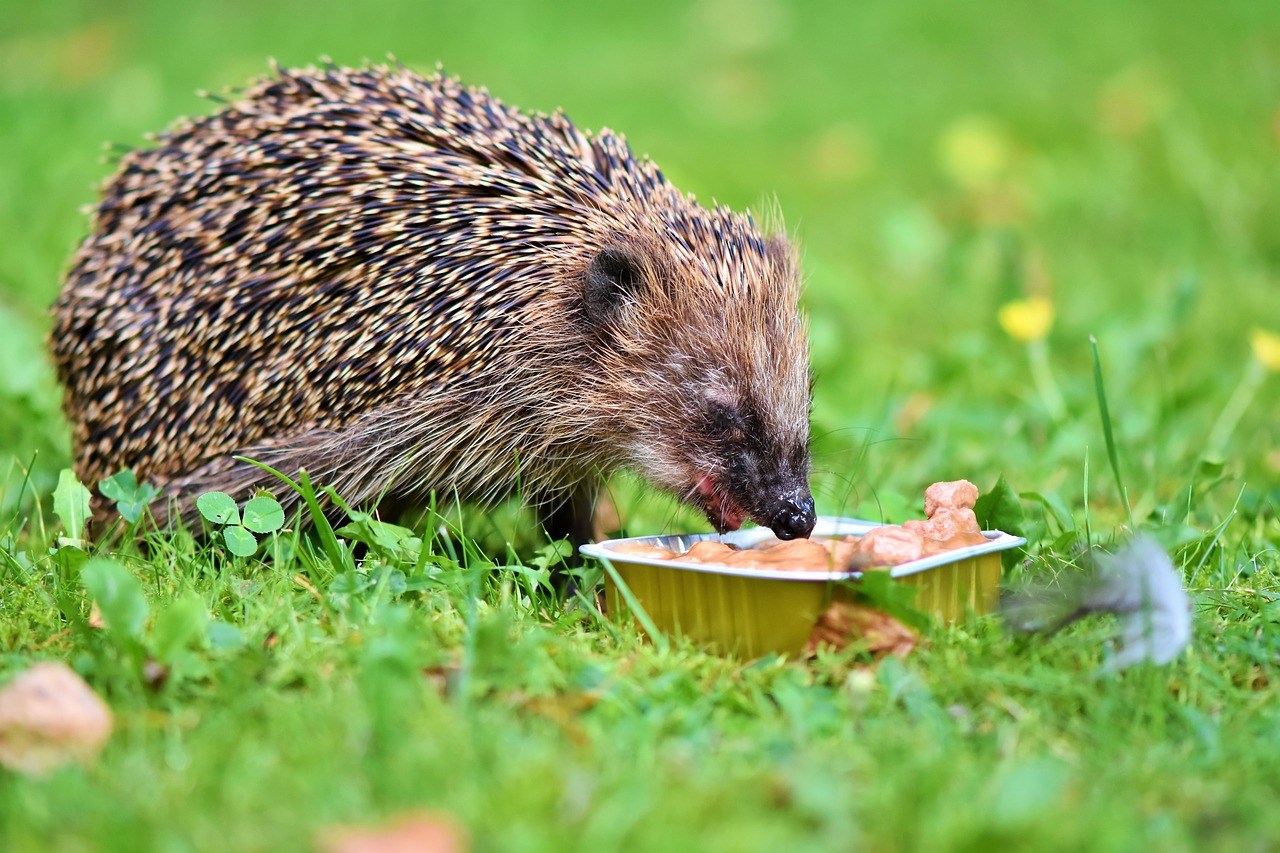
{"type": "Point", "coordinates": [405, 287]}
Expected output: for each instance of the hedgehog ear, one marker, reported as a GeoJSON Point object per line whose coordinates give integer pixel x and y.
{"type": "Point", "coordinates": [612, 276]}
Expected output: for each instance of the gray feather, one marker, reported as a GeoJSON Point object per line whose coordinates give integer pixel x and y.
{"type": "Point", "coordinates": [1139, 584]}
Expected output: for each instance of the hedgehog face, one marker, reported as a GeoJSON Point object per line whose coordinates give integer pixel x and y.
{"type": "Point", "coordinates": [746, 466]}
{"type": "Point", "coordinates": [708, 353]}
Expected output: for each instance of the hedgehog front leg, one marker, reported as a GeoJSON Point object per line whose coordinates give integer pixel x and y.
{"type": "Point", "coordinates": [570, 516]}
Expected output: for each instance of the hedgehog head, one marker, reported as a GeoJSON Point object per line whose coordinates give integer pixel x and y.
{"type": "Point", "coordinates": [694, 323]}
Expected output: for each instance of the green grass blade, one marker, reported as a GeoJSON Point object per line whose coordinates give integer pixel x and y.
{"type": "Point", "coordinates": [1107, 433]}
{"type": "Point", "coordinates": [642, 616]}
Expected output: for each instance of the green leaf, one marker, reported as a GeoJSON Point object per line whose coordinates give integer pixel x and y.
{"type": "Point", "coordinates": [882, 592]}
{"type": "Point", "coordinates": [177, 626]}
{"type": "Point", "coordinates": [553, 554]}
{"type": "Point", "coordinates": [1001, 509]}
{"type": "Point", "coordinates": [908, 689]}
{"type": "Point", "coordinates": [71, 504]}
{"type": "Point", "coordinates": [1186, 292]}
{"type": "Point", "coordinates": [350, 583]}
{"type": "Point", "coordinates": [70, 558]}
{"type": "Point", "coordinates": [218, 508]}
{"type": "Point", "coordinates": [263, 515]}
{"type": "Point", "coordinates": [389, 541]}
{"type": "Point", "coordinates": [393, 581]}
{"type": "Point", "coordinates": [119, 486]}
{"type": "Point", "coordinates": [339, 556]}
{"type": "Point", "coordinates": [131, 499]}
{"type": "Point", "coordinates": [239, 541]}
{"type": "Point", "coordinates": [1210, 468]}
{"type": "Point", "coordinates": [118, 594]}
{"type": "Point", "coordinates": [1026, 790]}
{"type": "Point", "coordinates": [224, 637]}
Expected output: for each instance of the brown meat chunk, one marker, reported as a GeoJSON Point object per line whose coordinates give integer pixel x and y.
{"type": "Point", "coordinates": [643, 549]}
{"type": "Point", "coordinates": [843, 551]}
{"type": "Point", "coordinates": [960, 540]}
{"type": "Point", "coordinates": [889, 546]}
{"type": "Point", "coordinates": [708, 551]}
{"type": "Point", "coordinates": [798, 555]}
{"type": "Point", "coordinates": [955, 494]}
{"type": "Point", "coordinates": [946, 523]}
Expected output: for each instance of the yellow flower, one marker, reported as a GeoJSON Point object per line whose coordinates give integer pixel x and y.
{"type": "Point", "coordinates": [1028, 319]}
{"type": "Point", "coordinates": [1266, 348]}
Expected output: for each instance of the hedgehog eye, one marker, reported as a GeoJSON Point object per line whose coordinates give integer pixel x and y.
{"type": "Point", "coordinates": [612, 276]}
{"type": "Point", "coordinates": [726, 421]}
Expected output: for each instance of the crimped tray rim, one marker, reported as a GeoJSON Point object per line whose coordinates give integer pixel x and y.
{"type": "Point", "coordinates": [827, 525]}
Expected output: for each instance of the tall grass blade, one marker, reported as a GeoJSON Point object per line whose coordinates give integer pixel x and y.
{"type": "Point", "coordinates": [328, 538]}
{"type": "Point", "coordinates": [1107, 434]}
{"type": "Point", "coordinates": [633, 604]}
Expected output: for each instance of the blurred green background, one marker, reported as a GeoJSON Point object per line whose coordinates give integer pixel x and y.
{"type": "Point", "coordinates": [933, 160]}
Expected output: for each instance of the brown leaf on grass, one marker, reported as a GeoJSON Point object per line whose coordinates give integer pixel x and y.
{"type": "Point", "coordinates": [561, 706]}
{"type": "Point", "coordinates": [50, 717]}
{"type": "Point", "coordinates": [444, 677]}
{"type": "Point", "coordinates": [844, 623]}
{"type": "Point", "coordinates": [562, 709]}
{"type": "Point", "coordinates": [414, 832]}
{"type": "Point", "coordinates": [95, 617]}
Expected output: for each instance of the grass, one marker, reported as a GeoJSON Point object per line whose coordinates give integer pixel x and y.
{"type": "Point", "coordinates": [937, 162]}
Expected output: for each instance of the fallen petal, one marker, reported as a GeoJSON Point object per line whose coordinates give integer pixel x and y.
{"type": "Point", "coordinates": [50, 717]}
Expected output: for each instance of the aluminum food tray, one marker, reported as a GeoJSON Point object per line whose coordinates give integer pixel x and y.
{"type": "Point", "coordinates": [752, 612]}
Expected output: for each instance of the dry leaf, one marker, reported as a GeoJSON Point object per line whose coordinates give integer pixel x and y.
{"type": "Point", "coordinates": [843, 623]}
{"type": "Point", "coordinates": [563, 709]}
{"type": "Point", "coordinates": [415, 832]}
{"type": "Point", "coordinates": [49, 717]}
{"type": "Point", "coordinates": [443, 677]}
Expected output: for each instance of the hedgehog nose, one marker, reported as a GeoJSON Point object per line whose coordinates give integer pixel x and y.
{"type": "Point", "coordinates": [795, 520]}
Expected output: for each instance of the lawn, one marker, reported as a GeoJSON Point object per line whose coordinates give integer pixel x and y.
{"type": "Point", "coordinates": [1117, 163]}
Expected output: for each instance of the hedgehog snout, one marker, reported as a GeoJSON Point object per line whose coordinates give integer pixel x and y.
{"type": "Point", "coordinates": [775, 494]}
{"type": "Point", "coordinates": [795, 518]}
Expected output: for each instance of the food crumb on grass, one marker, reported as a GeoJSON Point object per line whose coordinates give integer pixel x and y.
{"type": "Point", "coordinates": [417, 832]}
